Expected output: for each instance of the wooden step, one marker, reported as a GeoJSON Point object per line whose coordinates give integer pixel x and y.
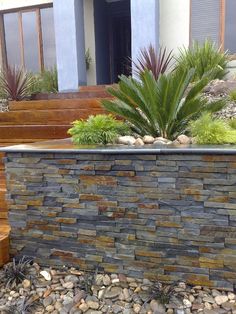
{"type": "Point", "coordinates": [84, 104]}
{"type": "Point", "coordinates": [93, 88]}
{"type": "Point", "coordinates": [81, 94]}
{"type": "Point", "coordinates": [4, 249]}
{"type": "Point", "coordinates": [46, 117]}
{"type": "Point", "coordinates": [35, 132]}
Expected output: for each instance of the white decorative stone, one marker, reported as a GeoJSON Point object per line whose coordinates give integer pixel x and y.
{"type": "Point", "coordinates": [147, 139]}
{"type": "Point", "coordinates": [126, 140]}
{"type": "Point", "coordinates": [231, 296]}
{"type": "Point", "coordinates": [159, 142]}
{"type": "Point", "coordinates": [184, 139]}
{"type": "Point", "coordinates": [187, 303]}
{"type": "Point", "coordinates": [139, 142]}
{"type": "Point", "coordinates": [161, 139]}
{"type": "Point", "coordinates": [46, 275]}
{"type": "Point", "coordinates": [220, 299]}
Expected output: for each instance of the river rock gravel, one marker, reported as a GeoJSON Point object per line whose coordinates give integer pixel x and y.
{"type": "Point", "coordinates": [74, 292]}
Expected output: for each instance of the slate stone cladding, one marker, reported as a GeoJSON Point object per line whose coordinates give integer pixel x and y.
{"type": "Point", "coordinates": [162, 217]}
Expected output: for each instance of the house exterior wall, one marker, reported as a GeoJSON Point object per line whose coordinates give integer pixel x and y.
{"type": "Point", "coordinates": [70, 44]}
{"type": "Point", "coordinates": [90, 40]}
{"type": "Point", "coordinates": [13, 4]}
{"type": "Point", "coordinates": [174, 23]}
{"type": "Point", "coordinates": [145, 25]}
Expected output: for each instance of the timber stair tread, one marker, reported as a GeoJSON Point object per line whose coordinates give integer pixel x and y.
{"type": "Point", "coordinates": [83, 104]}
{"type": "Point", "coordinates": [17, 133]}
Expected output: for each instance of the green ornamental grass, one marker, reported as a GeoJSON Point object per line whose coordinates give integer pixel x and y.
{"type": "Point", "coordinates": [203, 58]}
{"type": "Point", "coordinates": [232, 95]}
{"type": "Point", "coordinates": [208, 130]}
{"type": "Point", "coordinates": [99, 129]}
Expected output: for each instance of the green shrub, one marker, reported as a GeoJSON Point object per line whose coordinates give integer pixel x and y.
{"type": "Point", "coordinates": [88, 59]}
{"type": "Point", "coordinates": [100, 129]}
{"type": "Point", "coordinates": [49, 81]}
{"type": "Point", "coordinates": [232, 123]}
{"type": "Point", "coordinates": [203, 58]}
{"type": "Point", "coordinates": [208, 130]}
{"type": "Point", "coordinates": [160, 107]}
{"type": "Point", "coordinates": [35, 87]}
{"type": "Point", "coordinates": [232, 95]}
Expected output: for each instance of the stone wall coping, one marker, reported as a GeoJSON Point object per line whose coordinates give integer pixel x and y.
{"type": "Point", "coordinates": [66, 146]}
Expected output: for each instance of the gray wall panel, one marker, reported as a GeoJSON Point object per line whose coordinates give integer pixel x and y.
{"type": "Point", "coordinates": [230, 26]}
{"type": "Point", "coordinates": [205, 20]}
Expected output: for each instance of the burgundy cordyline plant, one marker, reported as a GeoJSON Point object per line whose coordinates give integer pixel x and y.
{"type": "Point", "coordinates": [158, 62]}
{"type": "Point", "coordinates": [15, 83]}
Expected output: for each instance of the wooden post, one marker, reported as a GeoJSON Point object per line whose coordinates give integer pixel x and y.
{"type": "Point", "coordinates": [222, 24]}
{"type": "Point", "coordinates": [3, 55]}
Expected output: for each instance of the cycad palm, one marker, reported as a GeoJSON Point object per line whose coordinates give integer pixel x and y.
{"type": "Point", "coordinates": [160, 107]}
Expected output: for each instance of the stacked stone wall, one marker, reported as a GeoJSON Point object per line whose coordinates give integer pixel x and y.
{"type": "Point", "coordinates": [163, 217]}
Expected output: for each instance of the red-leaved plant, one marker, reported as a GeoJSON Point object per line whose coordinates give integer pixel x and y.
{"type": "Point", "coordinates": [15, 83]}
{"type": "Point", "coordinates": [156, 62]}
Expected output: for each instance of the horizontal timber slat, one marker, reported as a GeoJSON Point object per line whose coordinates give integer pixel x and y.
{"type": "Point", "coordinates": [23, 132]}
{"type": "Point", "coordinates": [84, 104]}
{"type": "Point", "coordinates": [45, 117]}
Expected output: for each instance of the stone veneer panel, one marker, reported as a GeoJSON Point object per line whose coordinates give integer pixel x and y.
{"type": "Point", "coordinates": [164, 217]}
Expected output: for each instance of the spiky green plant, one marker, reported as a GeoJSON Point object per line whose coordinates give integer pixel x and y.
{"type": "Point", "coordinates": [158, 62]}
{"type": "Point", "coordinates": [203, 58]}
{"type": "Point", "coordinates": [15, 272]}
{"type": "Point", "coordinates": [161, 292]}
{"type": "Point", "coordinates": [208, 130]}
{"type": "Point", "coordinates": [88, 59]}
{"type": "Point", "coordinates": [15, 83]}
{"type": "Point", "coordinates": [49, 81]}
{"type": "Point", "coordinates": [99, 129]}
{"type": "Point", "coordinates": [87, 281]}
{"type": "Point", "coordinates": [232, 95]}
{"type": "Point", "coordinates": [160, 107]}
{"type": "Point", "coordinates": [23, 306]}
{"type": "Point", "coordinates": [232, 123]}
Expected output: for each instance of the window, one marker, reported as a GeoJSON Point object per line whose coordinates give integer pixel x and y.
{"type": "Point", "coordinates": [30, 39]}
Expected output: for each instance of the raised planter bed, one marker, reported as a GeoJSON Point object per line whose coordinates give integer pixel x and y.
{"type": "Point", "coordinates": [151, 212]}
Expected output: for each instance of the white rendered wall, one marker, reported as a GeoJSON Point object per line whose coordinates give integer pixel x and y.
{"type": "Point", "coordinates": [90, 40]}
{"type": "Point", "coordinates": [145, 24]}
{"type": "Point", "coordinates": [70, 44]}
{"type": "Point", "coordinates": [13, 4]}
{"type": "Point", "coordinates": [174, 23]}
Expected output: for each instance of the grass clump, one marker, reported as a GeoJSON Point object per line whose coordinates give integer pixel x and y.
{"type": "Point", "coordinates": [49, 81]}
{"type": "Point", "coordinates": [232, 123]}
{"type": "Point", "coordinates": [24, 306]}
{"type": "Point", "coordinates": [208, 130]}
{"type": "Point", "coordinates": [15, 272]}
{"type": "Point", "coordinates": [232, 95]}
{"type": "Point", "coordinates": [203, 58]}
{"type": "Point", "coordinates": [45, 82]}
{"type": "Point", "coordinates": [99, 129]}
